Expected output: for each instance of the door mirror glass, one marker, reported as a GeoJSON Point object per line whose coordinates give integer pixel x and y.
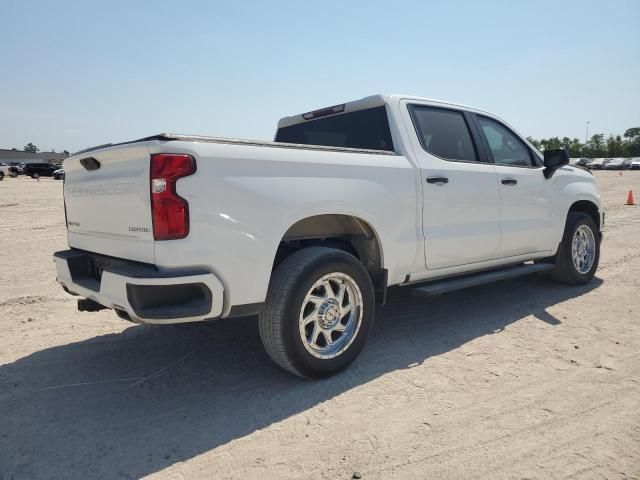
{"type": "Point", "coordinates": [554, 159]}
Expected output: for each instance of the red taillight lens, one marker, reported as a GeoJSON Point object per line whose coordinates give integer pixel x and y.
{"type": "Point", "coordinates": [169, 211]}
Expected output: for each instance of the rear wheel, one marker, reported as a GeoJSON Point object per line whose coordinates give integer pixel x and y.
{"type": "Point", "coordinates": [318, 313]}
{"type": "Point", "coordinates": [579, 252]}
{"type": "Point", "coordinates": [1, 176]}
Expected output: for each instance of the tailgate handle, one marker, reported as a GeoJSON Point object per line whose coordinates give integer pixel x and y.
{"type": "Point", "coordinates": [90, 163]}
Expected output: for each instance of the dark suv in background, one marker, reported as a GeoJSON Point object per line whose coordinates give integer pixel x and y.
{"type": "Point", "coordinates": [40, 169]}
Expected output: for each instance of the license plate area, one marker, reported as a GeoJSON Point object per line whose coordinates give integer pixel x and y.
{"type": "Point", "coordinates": [86, 270]}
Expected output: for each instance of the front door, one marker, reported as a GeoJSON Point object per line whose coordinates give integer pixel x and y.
{"type": "Point", "coordinates": [525, 200]}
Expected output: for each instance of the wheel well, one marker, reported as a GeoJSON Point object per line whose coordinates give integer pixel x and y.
{"type": "Point", "coordinates": [589, 208]}
{"type": "Point", "coordinates": [344, 232]}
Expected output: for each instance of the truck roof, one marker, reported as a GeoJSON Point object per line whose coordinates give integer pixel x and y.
{"type": "Point", "coordinates": [371, 101]}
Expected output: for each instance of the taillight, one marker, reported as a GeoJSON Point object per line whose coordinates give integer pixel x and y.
{"type": "Point", "coordinates": [169, 211]}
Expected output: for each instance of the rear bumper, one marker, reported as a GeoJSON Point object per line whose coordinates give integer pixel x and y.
{"type": "Point", "coordinates": [140, 292]}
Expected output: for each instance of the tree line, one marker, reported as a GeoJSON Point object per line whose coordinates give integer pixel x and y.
{"type": "Point", "coordinates": [626, 145]}
{"type": "Point", "coordinates": [30, 147]}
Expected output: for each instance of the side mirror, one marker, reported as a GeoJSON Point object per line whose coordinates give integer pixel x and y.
{"type": "Point", "coordinates": [553, 160]}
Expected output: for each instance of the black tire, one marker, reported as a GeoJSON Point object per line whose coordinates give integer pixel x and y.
{"type": "Point", "coordinates": [1, 176]}
{"type": "Point", "coordinates": [279, 318]}
{"type": "Point", "coordinates": [566, 271]}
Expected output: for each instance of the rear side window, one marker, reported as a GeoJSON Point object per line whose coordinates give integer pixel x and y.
{"type": "Point", "coordinates": [367, 129]}
{"type": "Point", "coordinates": [444, 133]}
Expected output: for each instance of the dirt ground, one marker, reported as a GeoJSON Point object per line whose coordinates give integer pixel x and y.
{"type": "Point", "coordinates": [522, 379]}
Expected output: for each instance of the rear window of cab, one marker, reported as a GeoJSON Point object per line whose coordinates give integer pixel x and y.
{"type": "Point", "coordinates": [366, 129]}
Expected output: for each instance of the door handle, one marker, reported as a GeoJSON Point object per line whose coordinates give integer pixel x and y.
{"type": "Point", "coordinates": [437, 180]}
{"type": "Point", "coordinates": [509, 181]}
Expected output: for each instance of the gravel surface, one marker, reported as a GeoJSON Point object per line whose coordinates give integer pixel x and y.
{"type": "Point", "coordinates": [519, 379]}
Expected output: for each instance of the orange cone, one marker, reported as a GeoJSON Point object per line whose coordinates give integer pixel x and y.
{"type": "Point", "coordinates": [630, 198]}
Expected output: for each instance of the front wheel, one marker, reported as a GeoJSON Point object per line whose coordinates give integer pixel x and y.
{"type": "Point", "coordinates": [318, 313]}
{"type": "Point", "coordinates": [1, 176]}
{"type": "Point", "coordinates": [579, 252]}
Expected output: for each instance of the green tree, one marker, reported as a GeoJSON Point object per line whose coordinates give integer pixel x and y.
{"type": "Point", "coordinates": [66, 152]}
{"type": "Point", "coordinates": [575, 148]}
{"type": "Point", "coordinates": [632, 133]}
{"type": "Point", "coordinates": [626, 145]}
{"type": "Point", "coordinates": [632, 142]}
{"type": "Point", "coordinates": [597, 140]}
{"type": "Point", "coordinates": [616, 147]}
{"type": "Point", "coordinates": [534, 142]}
{"type": "Point", "coordinates": [30, 147]}
{"type": "Point", "coordinates": [551, 143]}
{"type": "Point", "coordinates": [596, 146]}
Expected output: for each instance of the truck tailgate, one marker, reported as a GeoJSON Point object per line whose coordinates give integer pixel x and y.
{"type": "Point", "coordinates": [107, 202]}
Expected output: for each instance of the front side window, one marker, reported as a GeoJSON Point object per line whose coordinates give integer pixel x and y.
{"type": "Point", "coordinates": [506, 147]}
{"type": "Point", "coordinates": [444, 133]}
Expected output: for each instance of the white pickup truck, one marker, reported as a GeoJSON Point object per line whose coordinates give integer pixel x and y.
{"type": "Point", "coordinates": [308, 231]}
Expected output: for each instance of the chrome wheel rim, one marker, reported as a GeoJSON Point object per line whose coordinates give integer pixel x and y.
{"type": "Point", "coordinates": [331, 315]}
{"type": "Point", "coordinates": [583, 249]}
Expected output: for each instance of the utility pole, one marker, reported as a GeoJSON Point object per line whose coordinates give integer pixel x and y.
{"type": "Point", "coordinates": [586, 138]}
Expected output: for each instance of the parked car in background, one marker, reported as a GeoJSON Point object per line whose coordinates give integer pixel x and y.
{"type": "Point", "coordinates": [617, 164]}
{"type": "Point", "coordinates": [40, 169]}
{"type": "Point", "coordinates": [15, 168]}
{"type": "Point", "coordinates": [582, 162]}
{"type": "Point", "coordinates": [58, 174]}
{"type": "Point", "coordinates": [635, 163]}
{"type": "Point", "coordinates": [4, 170]}
{"type": "Point", "coordinates": [596, 164]}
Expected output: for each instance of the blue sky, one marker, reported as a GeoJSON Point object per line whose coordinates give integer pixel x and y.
{"type": "Point", "coordinates": [75, 74]}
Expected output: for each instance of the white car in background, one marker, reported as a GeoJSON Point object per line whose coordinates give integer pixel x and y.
{"type": "Point", "coordinates": [597, 163]}
{"type": "Point", "coordinates": [5, 171]}
{"type": "Point", "coordinates": [617, 164]}
{"type": "Point", "coordinates": [581, 162]}
{"type": "Point", "coordinates": [635, 163]}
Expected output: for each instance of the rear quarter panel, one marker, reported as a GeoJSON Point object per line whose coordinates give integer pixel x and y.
{"type": "Point", "coordinates": [243, 199]}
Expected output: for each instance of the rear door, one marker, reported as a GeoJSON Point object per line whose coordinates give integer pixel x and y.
{"type": "Point", "coordinates": [107, 201]}
{"type": "Point", "coordinates": [525, 199]}
{"type": "Point", "coordinates": [461, 203]}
